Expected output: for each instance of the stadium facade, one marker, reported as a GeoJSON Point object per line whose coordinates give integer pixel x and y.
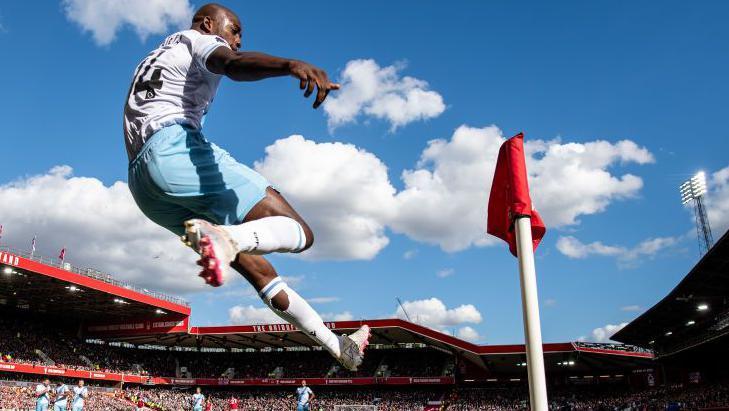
{"type": "Point", "coordinates": [33, 286]}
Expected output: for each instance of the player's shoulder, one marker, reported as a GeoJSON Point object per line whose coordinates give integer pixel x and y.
{"type": "Point", "coordinates": [194, 36]}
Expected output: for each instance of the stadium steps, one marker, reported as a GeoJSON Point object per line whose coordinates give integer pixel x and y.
{"type": "Point", "coordinates": [45, 358]}
{"type": "Point", "coordinates": [86, 361]}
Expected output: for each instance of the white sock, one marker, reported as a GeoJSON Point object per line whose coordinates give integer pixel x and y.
{"type": "Point", "coordinates": [301, 315]}
{"type": "Point", "coordinates": [268, 235]}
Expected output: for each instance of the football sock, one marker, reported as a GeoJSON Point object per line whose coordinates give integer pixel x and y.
{"type": "Point", "coordinates": [268, 235]}
{"type": "Point", "coordinates": [300, 314]}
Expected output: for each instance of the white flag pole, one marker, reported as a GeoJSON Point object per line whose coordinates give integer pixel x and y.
{"type": "Point", "coordinates": [530, 312]}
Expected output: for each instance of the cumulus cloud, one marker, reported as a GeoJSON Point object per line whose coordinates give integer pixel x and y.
{"type": "Point", "coordinates": [346, 195]}
{"type": "Point", "coordinates": [343, 192]}
{"type": "Point", "coordinates": [468, 333]}
{"type": "Point", "coordinates": [104, 18]}
{"type": "Point", "coordinates": [631, 308]}
{"type": "Point", "coordinates": [717, 201]}
{"type": "Point", "coordinates": [381, 92]}
{"type": "Point", "coordinates": [249, 314]}
{"type": "Point", "coordinates": [574, 248]}
{"type": "Point", "coordinates": [100, 226]}
{"type": "Point", "coordinates": [603, 334]}
{"type": "Point", "coordinates": [439, 204]}
{"type": "Point", "coordinates": [323, 300]}
{"type": "Point", "coordinates": [433, 313]}
{"type": "Point", "coordinates": [343, 316]}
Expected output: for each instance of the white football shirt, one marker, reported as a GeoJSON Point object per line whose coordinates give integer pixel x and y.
{"type": "Point", "coordinates": [171, 85]}
{"type": "Point", "coordinates": [41, 393]}
{"type": "Point", "coordinates": [79, 394]}
{"type": "Point", "coordinates": [303, 394]}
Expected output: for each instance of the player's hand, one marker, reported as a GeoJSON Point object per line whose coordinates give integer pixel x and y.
{"type": "Point", "coordinates": [310, 77]}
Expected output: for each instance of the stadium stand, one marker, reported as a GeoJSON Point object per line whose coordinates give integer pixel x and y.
{"type": "Point", "coordinates": [148, 351]}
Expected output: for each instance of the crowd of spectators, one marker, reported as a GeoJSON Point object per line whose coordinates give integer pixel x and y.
{"type": "Point", "coordinates": [21, 339]}
{"type": "Point", "coordinates": [277, 400]}
{"type": "Point", "coordinates": [23, 398]}
{"type": "Point", "coordinates": [577, 398]}
{"type": "Point", "coordinates": [595, 398]}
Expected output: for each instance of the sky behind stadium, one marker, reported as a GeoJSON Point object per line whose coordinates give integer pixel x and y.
{"type": "Point", "coordinates": [620, 102]}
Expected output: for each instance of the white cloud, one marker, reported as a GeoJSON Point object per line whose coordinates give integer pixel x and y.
{"type": "Point", "coordinates": [434, 314]}
{"type": "Point", "coordinates": [322, 300]}
{"type": "Point", "coordinates": [603, 334]}
{"type": "Point", "coordinates": [346, 196]}
{"type": "Point", "coordinates": [574, 248]}
{"type": "Point", "coordinates": [468, 333]}
{"type": "Point", "coordinates": [631, 308]}
{"type": "Point", "coordinates": [342, 192]}
{"type": "Point", "coordinates": [550, 302]}
{"type": "Point", "coordinates": [343, 316]}
{"type": "Point", "coordinates": [446, 272]}
{"type": "Point", "coordinates": [440, 202]}
{"type": "Point", "coordinates": [380, 92]}
{"type": "Point", "coordinates": [100, 226]}
{"type": "Point", "coordinates": [249, 314]}
{"type": "Point", "coordinates": [104, 18]}
{"type": "Point", "coordinates": [717, 202]}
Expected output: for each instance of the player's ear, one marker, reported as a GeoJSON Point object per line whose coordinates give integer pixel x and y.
{"type": "Point", "coordinates": [207, 24]}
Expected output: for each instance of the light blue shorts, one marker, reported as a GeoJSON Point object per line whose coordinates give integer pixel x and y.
{"type": "Point", "coordinates": [302, 407]}
{"type": "Point", "coordinates": [60, 405]}
{"type": "Point", "coordinates": [179, 175]}
{"type": "Point", "coordinates": [41, 405]}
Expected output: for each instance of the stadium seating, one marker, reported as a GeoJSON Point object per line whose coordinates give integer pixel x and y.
{"type": "Point", "coordinates": [21, 339]}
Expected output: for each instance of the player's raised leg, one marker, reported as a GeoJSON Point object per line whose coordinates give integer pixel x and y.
{"type": "Point", "coordinates": [273, 225]}
{"type": "Point", "coordinates": [288, 304]}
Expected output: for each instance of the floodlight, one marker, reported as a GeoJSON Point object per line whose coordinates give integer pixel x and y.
{"type": "Point", "coordinates": [702, 307]}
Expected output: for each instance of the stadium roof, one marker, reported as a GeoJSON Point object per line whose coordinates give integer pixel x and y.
{"type": "Point", "coordinates": [694, 312]}
{"type": "Point", "coordinates": [40, 284]}
{"type": "Point", "coordinates": [497, 359]}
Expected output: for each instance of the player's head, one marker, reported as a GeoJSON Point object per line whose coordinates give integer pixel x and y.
{"type": "Point", "coordinates": [198, 390]}
{"type": "Point", "coordinates": [80, 383]}
{"type": "Point", "coordinates": [46, 381]}
{"type": "Point", "coordinates": [219, 20]}
{"type": "Point", "coordinates": [303, 383]}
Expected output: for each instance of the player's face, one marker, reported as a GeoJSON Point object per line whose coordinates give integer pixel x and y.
{"type": "Point", "coordinates": [81, 383]}
{"type": "Point", "coordinates": [231, 31]}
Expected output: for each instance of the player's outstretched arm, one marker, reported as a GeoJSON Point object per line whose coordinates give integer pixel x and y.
{"type": "Point", "coordinates": [253, 66]}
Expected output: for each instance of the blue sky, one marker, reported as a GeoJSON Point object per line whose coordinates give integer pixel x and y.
{"type": "Point", "coordinates": [567, 74]}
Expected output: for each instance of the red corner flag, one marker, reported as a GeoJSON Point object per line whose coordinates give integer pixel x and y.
{"type": "Point", "coordinates": [62, 256]}
{"type": "Point", "coordinates": [509, 197]}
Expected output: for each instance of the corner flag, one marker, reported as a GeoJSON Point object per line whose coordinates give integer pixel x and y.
{"type": "Point", "coordinates": [512, 219]}
{"type": "Point", "coordinates": [510, 198]}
